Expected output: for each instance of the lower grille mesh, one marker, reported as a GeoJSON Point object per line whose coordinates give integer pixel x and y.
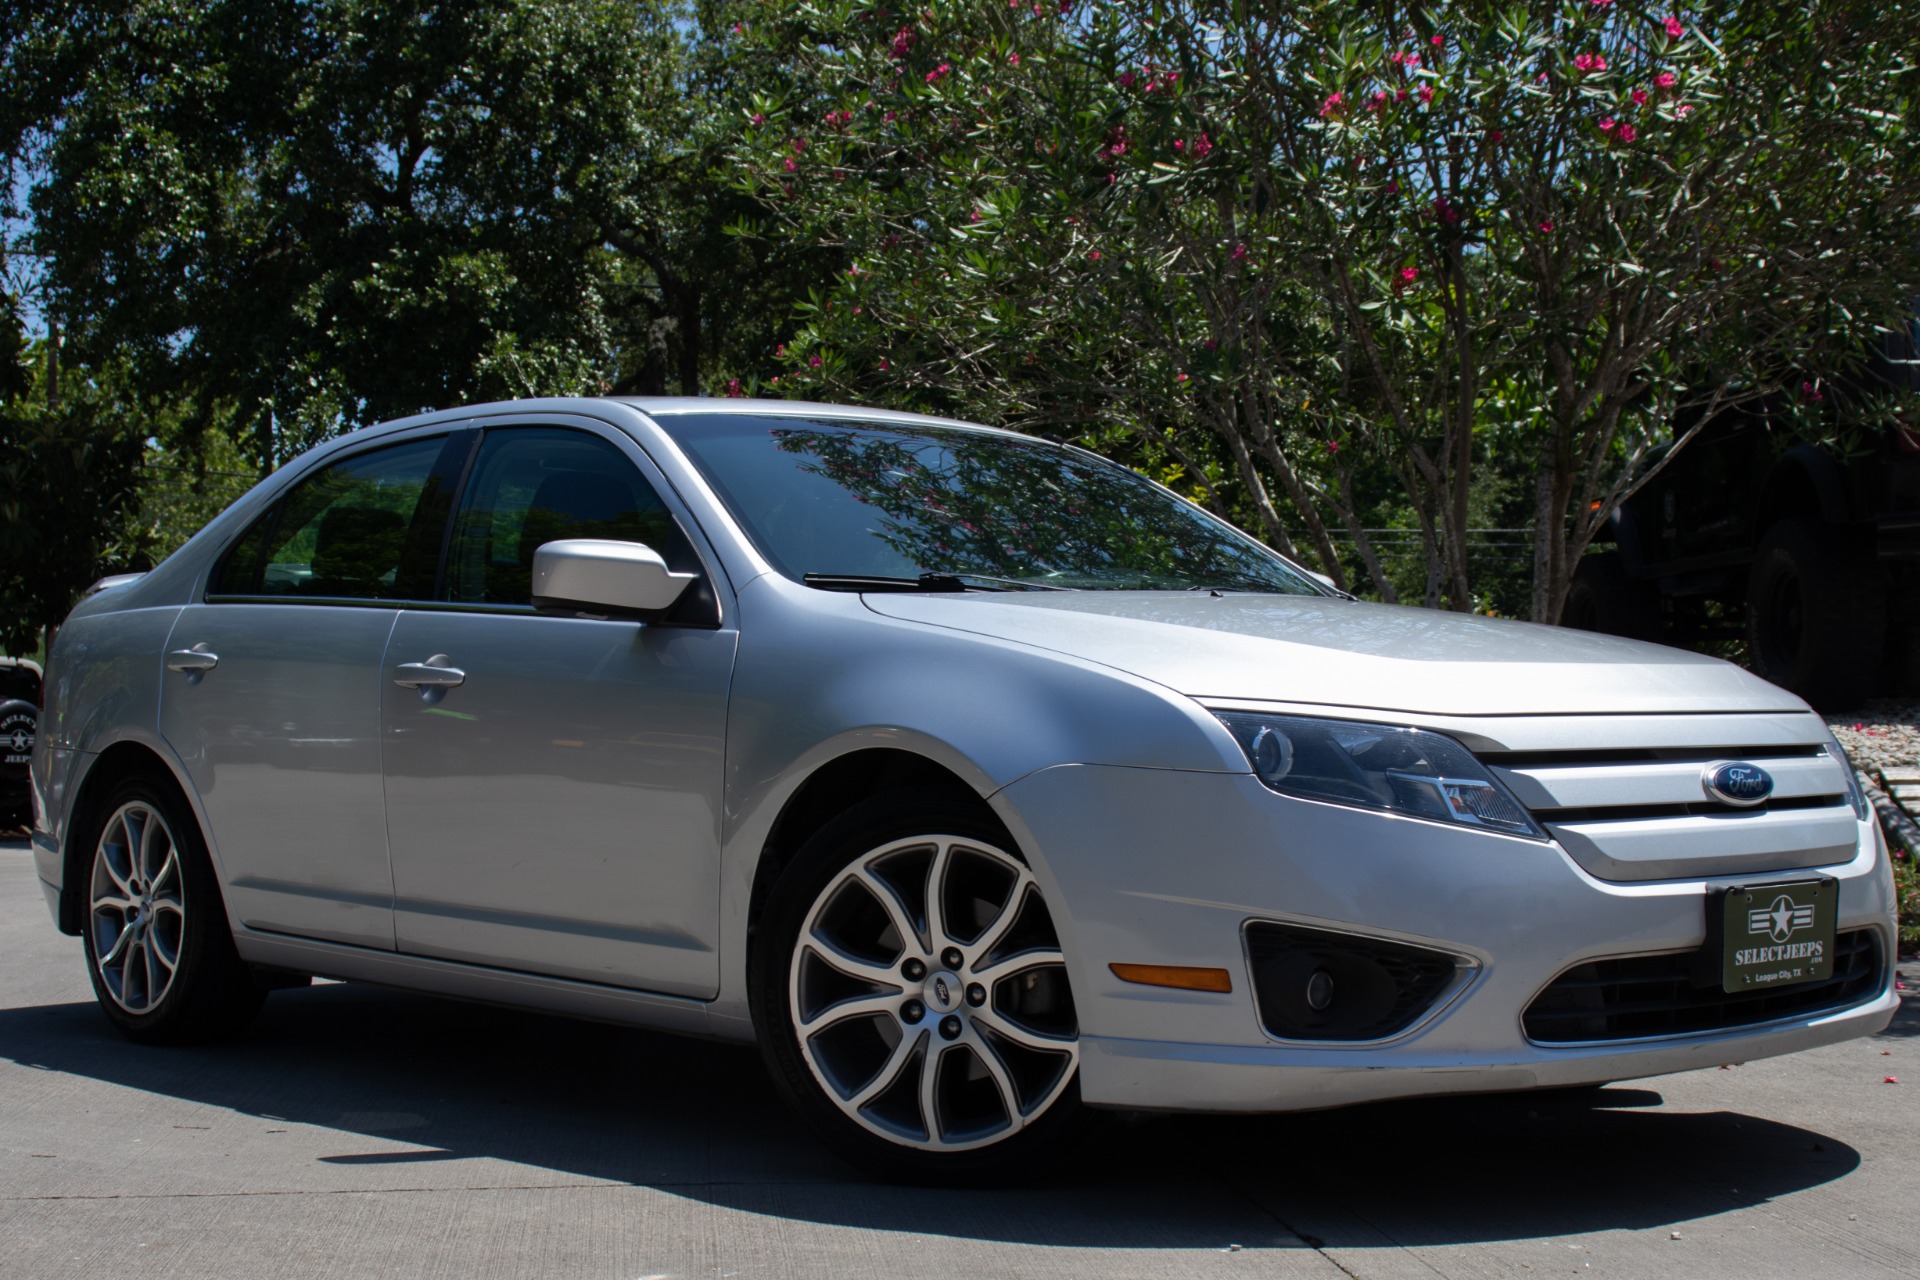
{"type": "Point", "coordinates": [1641, 996]}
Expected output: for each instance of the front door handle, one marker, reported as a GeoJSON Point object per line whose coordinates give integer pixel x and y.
{"type": "Point", "coordinates": [434, 673]}
{"type": "Point", "coordinates": [194, 662]}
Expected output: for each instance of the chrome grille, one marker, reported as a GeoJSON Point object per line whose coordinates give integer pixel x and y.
{"type": "Point", "coordinates": [1645, 814]}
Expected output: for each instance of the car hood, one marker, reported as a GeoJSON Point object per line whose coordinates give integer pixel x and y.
{"type": "Point", "coordinates": [1345, 653]}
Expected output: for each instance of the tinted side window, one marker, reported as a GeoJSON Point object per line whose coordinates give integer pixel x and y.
{"type": "Point", "coordinates": [367, 527]}
{"type": "Point", "coordinates": [532, 485]}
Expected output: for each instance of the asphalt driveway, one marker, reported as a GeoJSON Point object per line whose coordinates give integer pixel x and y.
{"type": "Point", "coordinates": [362, 1132]}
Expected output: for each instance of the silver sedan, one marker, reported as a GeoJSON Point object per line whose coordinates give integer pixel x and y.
{"type": "Point", "coordinates": [979, 780]}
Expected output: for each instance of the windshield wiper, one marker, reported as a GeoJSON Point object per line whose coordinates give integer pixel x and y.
{"type": "Point", "coordinates": [925, 582]}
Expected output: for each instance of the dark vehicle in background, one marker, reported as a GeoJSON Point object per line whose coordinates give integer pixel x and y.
{"type": "Point", "coordinates": [19, 722]}
{"type": "Point", "coordinates": [1810, 552]}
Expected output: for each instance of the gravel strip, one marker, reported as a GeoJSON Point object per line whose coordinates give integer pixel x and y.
{"type": "Point", "coordinates": [1882, 734]}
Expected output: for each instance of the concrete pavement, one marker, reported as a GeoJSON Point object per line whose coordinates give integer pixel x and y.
{"type": "Point", "coordinates": [360, 1132]}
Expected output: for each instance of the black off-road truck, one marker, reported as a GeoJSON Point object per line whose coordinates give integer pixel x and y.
{"type": "Point", "coordinates": [1811, 552]}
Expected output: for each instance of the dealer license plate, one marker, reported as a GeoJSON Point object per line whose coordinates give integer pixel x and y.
{"type": "Point", "coordinates": [1778, 935]}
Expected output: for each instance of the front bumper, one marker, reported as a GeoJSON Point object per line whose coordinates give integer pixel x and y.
{"type": "Point", "coordinates": [1149, 866]}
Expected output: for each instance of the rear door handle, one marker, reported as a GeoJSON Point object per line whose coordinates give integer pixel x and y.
{"type": "Point", "coordinates": [434, 673]}
{"type": "Point", "coordinates": [193, 661]}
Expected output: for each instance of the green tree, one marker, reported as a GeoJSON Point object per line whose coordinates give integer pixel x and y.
{"type": "Point", "coordinates": [302, 216]}
{"type": "Point", "coordinates": [1297, 236]}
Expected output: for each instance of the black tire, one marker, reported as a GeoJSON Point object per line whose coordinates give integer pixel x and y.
{"type": "Point", "coordinates": [1817, 613]}
{"type": "Point", "coordinates": [209, 993]}
{"type": "Point", "coordinates": [812, 888]}
{"type": "Point", "coordinates": [1604, 597]}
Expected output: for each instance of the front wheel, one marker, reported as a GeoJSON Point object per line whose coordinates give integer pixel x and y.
{"type": "Point", "coordinates": [911, 996]}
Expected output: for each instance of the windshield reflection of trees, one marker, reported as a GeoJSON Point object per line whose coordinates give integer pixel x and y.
{"type": "Point", "coordinates": [954, 502]}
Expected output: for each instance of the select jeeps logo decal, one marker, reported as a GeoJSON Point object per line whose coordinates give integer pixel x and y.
{"type": "Point", "coordinates": [16, 737]}
{"type": "Point", "coordinates": [1781, 920]}
{"type": "Point", "coordinates": [1779, 934]}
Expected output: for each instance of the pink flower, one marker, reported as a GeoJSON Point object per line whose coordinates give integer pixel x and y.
{"type": "Point", "coordinates": [1179, 377]}
{"type": "Point", "coordinates": [1680, 110]}
{"type": "Point", "coordinates": [791, 166]}
{"type": "Point", "coordinates": [1380, 99]}
{"type": "Point", "coordinates": [887, 118]}
{"type": "Point", "coordinates": [1333, 446]}
{"type": "Point", "coordinates": [1601, 4]}
{"type": "Point", "coordinates": [1546, 224]}
{"type": "Point", "coordinates": [780, 350]}
{"type": "Point", "coordinates": [1413, 59]}
{"type": "Point", "coordinates": [1438, 41]}
{"type": "Point", "coordinates": [1172, 78]}
{"type": "Point", "coordinates": [1239, 252]}
{"type": "Point", "coordinates": [1674, 29]}
{"type": "Point", "coordinates": [1393, 188]}
{"type": "Point", "coordinates": [799, 145]}
{"type": "Point", "coordinates": [1178, 145]}
{"type": "Point", "coordinates": [1426, 93]}
{"type": "Point", "coordinates": [974, 216]}
{"type": "Point", "coordinates": [1334, 105]}
{"type": "Point", "coordinates": [903, 42]}
{"type": "Point", "coordinates": [1409, 274]}
{"type": "Point", "coordinates": [1093, 255]}
{"type": "Point", "coordinates": [733, 388]}
{"type": "Point", "coordinates": [1606, 125]}
{"type": "Point", "coordinates": [884, 366]}
{"type": "Point", "coordinates": [739, 28]}
{"type": "Point", "coordinates": [939, 73]}
{"type": "Point", "coordinates": [1811, 392]}
{"type": "Point", "coordinates": [759, 118]}
{"type": "Point", "coordinates": [1496, 137]}
{"type": "Point", "coordinates": [1202, 147]}
{"type": "Point", "coordinates": [1628, 133]}
{"type": "Point", "coordinates": [1126, 79]}
{"type": "Point", "coordinates": [1395, 58]}
{"type": "Point", "coordinates": [1589, 62]}
{"type": "Point", "coordinates": [1666, 80]}
{"type": "Point", "coordinates": [1401, 96]}
{"type": "Point", "coordinates": [1013, 59]}
{"type": "Point", "coordinates": [1211, 345]}
{"type": "Point", "coordinates": [1639, 97]}
{"type": "Point", "coordinates": [813, 361]}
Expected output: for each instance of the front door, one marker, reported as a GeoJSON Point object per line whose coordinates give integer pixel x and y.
{"type": "Point", "coordinates": [272, 692]}
{"type": "Point", "coordinates": [554, 785]}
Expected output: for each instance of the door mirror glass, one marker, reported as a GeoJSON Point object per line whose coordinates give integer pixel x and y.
{"type": "Point", "coordinates": [595, 575]}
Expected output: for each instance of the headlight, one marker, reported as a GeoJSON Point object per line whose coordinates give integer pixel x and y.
{"type": "Point", "coordinates": [1856, 794]}
{"type": "Point", "coordinates": [1378, 766]}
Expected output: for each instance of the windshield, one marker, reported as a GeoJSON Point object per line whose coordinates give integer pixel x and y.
{"type": "Point", "coordinates": [830, 499]}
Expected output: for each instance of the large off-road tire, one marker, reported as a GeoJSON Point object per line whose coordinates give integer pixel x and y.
{"type": "Point", "coordinates": [19, 726]}
{"type": "Point", "coordinates": [1605, 597]}
{"type": "Point", "coordinates": [159, 949]}
{"type": "Point", "coordinates": [911, 998]}
{"type": "Point", "coordinates": [1817, 613]}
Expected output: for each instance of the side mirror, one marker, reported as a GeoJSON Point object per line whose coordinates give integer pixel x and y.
{"type": "Point", "coordinates": [594, 575]}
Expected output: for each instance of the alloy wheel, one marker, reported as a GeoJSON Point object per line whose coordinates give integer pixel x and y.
{"type": "Point", "coordinates": [929, 995]}
{"type": "Point", "coordinates": [138, 913]}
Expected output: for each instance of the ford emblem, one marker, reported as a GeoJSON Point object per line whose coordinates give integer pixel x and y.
{"type": "Point", "coordinates": [1738, 782]}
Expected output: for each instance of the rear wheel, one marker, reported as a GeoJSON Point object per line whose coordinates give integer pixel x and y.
{"type": "Point", "coordinates": [911, 996]}
{"type": "Point", "coordinates": [158, 947]}
{"type": "Point", "coordinates": [1817, 613]}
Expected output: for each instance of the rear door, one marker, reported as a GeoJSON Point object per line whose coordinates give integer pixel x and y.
{"type": "Point", "coordinates": [554, 803]}
{"type": "Point", "coordinates": [272, 693]}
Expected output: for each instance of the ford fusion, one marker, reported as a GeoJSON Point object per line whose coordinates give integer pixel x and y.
{"type": "Point", "coordinates": [982, 782]}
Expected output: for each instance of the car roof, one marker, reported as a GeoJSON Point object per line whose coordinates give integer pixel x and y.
{"type": "Point", "coordinates": [672, 406]}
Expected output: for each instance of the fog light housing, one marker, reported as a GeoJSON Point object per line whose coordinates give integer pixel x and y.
{"type": "Point", "coordinates": [1316, 984]}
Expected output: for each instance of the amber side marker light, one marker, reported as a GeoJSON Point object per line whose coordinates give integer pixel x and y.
{"type": "Point", "coordinates": [1174, 975]}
